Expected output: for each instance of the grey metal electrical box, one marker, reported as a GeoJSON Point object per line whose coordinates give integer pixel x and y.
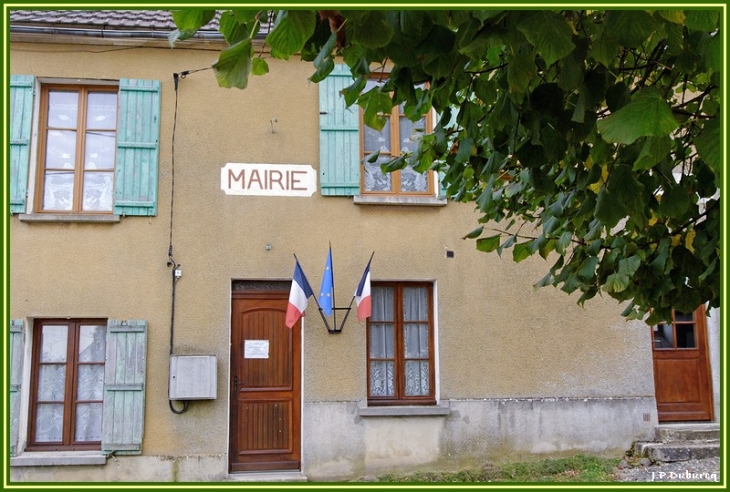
{"type": "Point", "coordinates": [193, 377]}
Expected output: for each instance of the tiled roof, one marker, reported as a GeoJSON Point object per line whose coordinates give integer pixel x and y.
{"type": "Point", "coordinates": [107, 19]}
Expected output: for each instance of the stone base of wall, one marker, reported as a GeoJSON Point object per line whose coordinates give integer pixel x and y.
{"type": "Point", "coordinates": [345, 440]}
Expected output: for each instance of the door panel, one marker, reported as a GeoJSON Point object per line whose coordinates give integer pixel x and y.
{"type": "Point", "coordinates": [681, 369]}
{"type": "Point", "coordinates": [265, 384]}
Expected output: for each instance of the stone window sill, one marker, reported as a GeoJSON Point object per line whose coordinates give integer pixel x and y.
{"type": "Point", "coordinates": [421, 201]}
{"type": "Point", "coordinates": [404, 411]}
{"type": "Point", "coordinates": [59, 458]}
{"type": "Point", "coordinates": [98, 219]}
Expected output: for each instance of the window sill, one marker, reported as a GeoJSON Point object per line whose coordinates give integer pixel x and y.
{"type": "Point", "coordinates": [438, 410]}
{"type": "Point", "coordinates": [99, 218]}
{"type": "Point", "coordinates": [422, 201]}
{"type": "Point", "coordinates": [59, 458]}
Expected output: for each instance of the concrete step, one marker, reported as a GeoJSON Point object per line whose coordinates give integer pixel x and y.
{"type": "Point", "coordinates": [272, 476]}
{"type": "Point", "coordinates": [688, 432]}
{"type": "Point", "coordinates": [681, 442]}
{"type": "Point", "coordinates": [678, 451]}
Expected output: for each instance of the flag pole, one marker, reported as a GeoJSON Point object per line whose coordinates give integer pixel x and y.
{"type": "Point", "coordinates": [321, 312]}
{"type": "Point", "coordinates": [332, 274]}
{"type": "Point", "coordinates": [353, 298]}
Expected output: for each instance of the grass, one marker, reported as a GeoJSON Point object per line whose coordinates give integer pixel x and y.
{"type": "Point", "coordinates": [574, 469]}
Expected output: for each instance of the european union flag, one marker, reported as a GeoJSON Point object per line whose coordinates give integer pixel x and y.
{"type": "Point", "coordinates": [327, 291]}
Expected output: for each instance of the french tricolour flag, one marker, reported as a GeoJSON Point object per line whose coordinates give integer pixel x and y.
{"type": "Point", "coordinates": [362, 295]}
{"type": "Point", "coordinates": [300, 292]}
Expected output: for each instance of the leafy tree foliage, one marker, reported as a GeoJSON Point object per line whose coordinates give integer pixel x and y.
{"type": "Point", "coordinates": [591, 138]}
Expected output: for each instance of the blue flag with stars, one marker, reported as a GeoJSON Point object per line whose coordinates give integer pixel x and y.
{"type": "Point", "coordinates": [327, 291]}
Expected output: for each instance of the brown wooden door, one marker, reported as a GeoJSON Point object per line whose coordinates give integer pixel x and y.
{"type": "Point", "coordinates": [681, 368]}
{"type": "Point", "coordinates": [265, 384]}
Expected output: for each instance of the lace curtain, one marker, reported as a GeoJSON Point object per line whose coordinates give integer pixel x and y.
{"type": "Point", "coordinates": [52, 383]}
{"type": "Point", "coordinates": [415, 342]}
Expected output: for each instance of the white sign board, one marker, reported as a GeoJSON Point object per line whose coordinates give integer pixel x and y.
{"type": "Point", "coordinates": [268, 179]}
{"type": "Point", "coordinates": [256, 349]}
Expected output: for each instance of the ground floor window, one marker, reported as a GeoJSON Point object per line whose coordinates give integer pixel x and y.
{"type": "Point", "coordinates": [400, 344]}
{"type": "Point", "coordinates": [67, 384]}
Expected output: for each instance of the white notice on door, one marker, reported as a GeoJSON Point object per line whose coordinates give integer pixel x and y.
{"type": "Point", "coordinates": [256, 349]}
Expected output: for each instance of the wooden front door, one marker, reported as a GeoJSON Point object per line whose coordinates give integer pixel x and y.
{"type": "Point", "coordinates": [265, 384]}
{"type": "Point", "coordinates": [681, 368]}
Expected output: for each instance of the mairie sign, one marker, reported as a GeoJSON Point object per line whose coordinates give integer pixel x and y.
{"type": "Point", "coordinates": [268, 179]}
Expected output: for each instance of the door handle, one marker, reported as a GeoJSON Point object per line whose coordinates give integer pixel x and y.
{"type": "Point", "coordinates": [235, 384]}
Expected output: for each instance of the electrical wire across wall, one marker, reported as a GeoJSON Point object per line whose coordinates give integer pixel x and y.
{"type": "Point", "coordinates": [170, 260]}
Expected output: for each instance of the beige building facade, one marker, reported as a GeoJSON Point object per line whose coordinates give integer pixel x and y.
{"type": "Point", "coordinates": [198, 271]}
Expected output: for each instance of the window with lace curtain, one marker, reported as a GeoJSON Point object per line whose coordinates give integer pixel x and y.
{"type": "Point", "coordinates": [400, 344]}
{"type": "Point", "coordinates": [67, 384]}
{"type": "Point", "coordinates": [77, 149]}
{"type": "Point", "coordinates": [399, 135]}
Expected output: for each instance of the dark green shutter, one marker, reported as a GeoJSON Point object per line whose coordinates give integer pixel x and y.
{"type": "Point", "coordinates": [124, 386]}
{"type": "Point", "coordinates": [339, 137]}
{"type": "Point", "coordinates": [16, 373]}
{"type": "Point", "coordinates": [21, 115]}
{"type": "Point", "coordinates": [138, 132]}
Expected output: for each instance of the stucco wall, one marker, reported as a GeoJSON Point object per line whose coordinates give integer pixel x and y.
{"type": "Point", "coordinates": [497, 336]}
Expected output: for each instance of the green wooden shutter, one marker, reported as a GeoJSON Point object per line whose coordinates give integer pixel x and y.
{"type": "Point", "coordinates": [124, 386]}
{"type": "Point", "coordinates": [16, 374]}
{"type": "Point", "coordinates": [138, 132]}
{"type": "Point", "coordinates": [21, 115]}
{"type": "Point", "coordinates": [339, 137]}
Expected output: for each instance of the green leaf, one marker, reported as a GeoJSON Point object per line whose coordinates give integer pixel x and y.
{"type": "Point", "coordinates": [259, 66]}
{"type": "Point", "coordinates": [233, 31]}
{"type": "Point", "coordinates": [546, 248]}
{"type": "Point", "coordinates": [544, 282]}
{"type": "Point", "coordinates": [563, 241]}
{"type": "Point", "coordinates": [244, 16]}
{"type": "Point", "coordinates": [654, 150]}
{"type": "Point", "coordinates": [609, 210]}
{"type": "Point", "coordinates": [488, 244]}
{"type": "Point", "coordinates": [188, 22]}
{"type": "Point", "coordinates": [324, 63]}
{"type": "Point", "coordinates": [674, 202]}
{"type": "Point", "coordinates": [616, 282]}
{"type": "Point", "coordinates": [234, 65]}
{"type": "Point", "coordinates": [628, 266]}
{"type": "Point", "coordinates": [675, 16]}
{"type": "Point", "coordinates": [702, 19]}
{"type": "Point", "coordinates": [465, 147]}
{"type": "Point", "coordinates": [520, 71]}
{"type": "Point", "coordinates": [522, 251]}
{"type": "Point", "coordinates": [629, 27]}
{"type": "Point", "coordinates": [588, 267]}
{"type": "Point", "coordinates": [709, 145]}
{"type": "Point", "coordinates": [648, 114]}
{"type": "Point", "coordinates": [375, 105]}
{"type": "Point", "coordinates": [475, 233]}
{"type": "Point", "coordinates": [549, 33]}
{"type": "Point", "coordinates": [372, 30]}
{"type": "Point", "coordinates": [624, 186]}
{"type": "Point", "coordinates": [507, 244]}
{"type": "Point", "coordinates": [291, 30]}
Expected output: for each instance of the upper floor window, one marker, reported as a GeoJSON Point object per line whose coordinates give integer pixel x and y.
{"type": "Point", "coordinates": [97, 148]}
{"type": "Point", "coordinates": [400, 344]}
{"type": "Point", "coordinates": [399, 135]}
{"type": "Point", "coordinates": [77, 143]}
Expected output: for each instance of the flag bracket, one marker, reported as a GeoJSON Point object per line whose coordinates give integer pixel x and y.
{"type": "Point", "coordinates": [335, 328]}
{"type": "Point", "coordinates": [301, 291]}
